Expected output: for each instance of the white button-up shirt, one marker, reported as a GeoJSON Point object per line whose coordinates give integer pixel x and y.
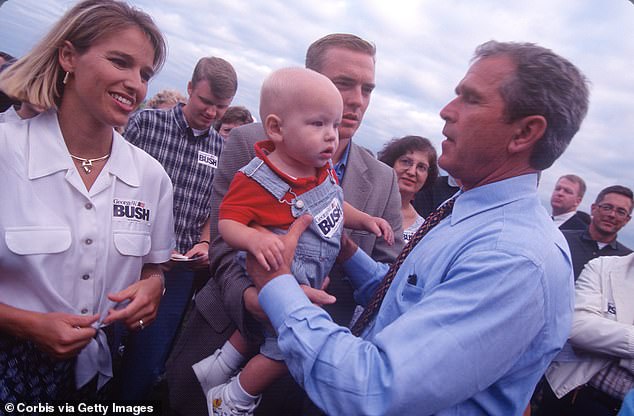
{"type": "Point", "coordinates": [64, 248]}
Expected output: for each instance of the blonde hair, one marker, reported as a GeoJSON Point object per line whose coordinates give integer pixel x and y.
{"type": "Point", "coordinates": [169, 97]}
{"type": "Point", "coordinates": [287, 88]}
{"type": "Point", "coordinates": [37, 77]}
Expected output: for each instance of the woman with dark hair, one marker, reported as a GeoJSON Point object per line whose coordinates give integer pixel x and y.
{"type": "Point", "coordinates": [413, 158]}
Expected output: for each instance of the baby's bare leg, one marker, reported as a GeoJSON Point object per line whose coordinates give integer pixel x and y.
{"type": "Point", "coordinates": [240, 343]}
{"type": "Point", "coordinates": [259, 373]}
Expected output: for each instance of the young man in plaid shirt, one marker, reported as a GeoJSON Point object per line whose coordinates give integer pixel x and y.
{"type": "Point", "coordinates": [187, 146]}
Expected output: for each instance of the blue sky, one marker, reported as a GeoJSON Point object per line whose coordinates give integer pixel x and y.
{"type": "Point", "coordinates": [423, 50]}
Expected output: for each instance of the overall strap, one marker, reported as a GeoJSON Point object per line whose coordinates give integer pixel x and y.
{"type": "Point", "coordinates": [257, 170]}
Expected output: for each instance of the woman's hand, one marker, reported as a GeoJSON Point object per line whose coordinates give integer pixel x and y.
{"type": "Point", "coordinates": [144, 297]}
{"type": "Point", "coordinates": [61, 335]}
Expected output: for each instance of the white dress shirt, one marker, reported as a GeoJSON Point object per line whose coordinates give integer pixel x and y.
{"type": "Point", "coordinates": [64, 248]}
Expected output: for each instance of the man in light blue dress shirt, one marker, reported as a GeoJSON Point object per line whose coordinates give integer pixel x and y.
{"type": "Point", "coordinates": [484, 301]}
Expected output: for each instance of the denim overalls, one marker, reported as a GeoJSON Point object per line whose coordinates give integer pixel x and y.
{"type": "Point", "coordinates": [319, 245]}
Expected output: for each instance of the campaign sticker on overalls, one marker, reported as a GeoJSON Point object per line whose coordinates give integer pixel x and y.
{"type": "Point", "coordinates": [207, 159]}
{"type": "Point", "coordinates": [130, 209]}
{"type": "Point", "coordinates": [330, 218]}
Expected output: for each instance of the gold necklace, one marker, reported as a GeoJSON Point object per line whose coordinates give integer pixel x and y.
{"type": "Point", "coordinates": [86, 164]}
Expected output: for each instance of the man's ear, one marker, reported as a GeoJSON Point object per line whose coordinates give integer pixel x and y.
{"type": "Point", "coordinates": [273, 128]}
{"type": "Point", "coordinates": [530, 130]}
{"type": "Point", "coordinates": [190, 88]}
{"type": "Point", "coordinates": [67, 56]}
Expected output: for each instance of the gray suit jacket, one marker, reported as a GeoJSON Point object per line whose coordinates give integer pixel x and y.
{"type": "Point", "coordinates": [368, 185]}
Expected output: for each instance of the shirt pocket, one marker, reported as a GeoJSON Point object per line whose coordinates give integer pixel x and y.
{"type": "Point", "coordinates": [37, 240]}
{"type": "Point", "coordinates": [412, 293]}
{"type": "Point", "coordinates": [131, 243]}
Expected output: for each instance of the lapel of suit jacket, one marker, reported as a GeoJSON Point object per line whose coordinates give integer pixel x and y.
{"type": "Point", "coordinates": [356, 186]}
{"type": "Point", "coordinates": [622, 282]}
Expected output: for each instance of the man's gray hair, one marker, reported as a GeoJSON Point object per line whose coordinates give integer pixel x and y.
{"type": "Point", "coordinates": [544, 84]}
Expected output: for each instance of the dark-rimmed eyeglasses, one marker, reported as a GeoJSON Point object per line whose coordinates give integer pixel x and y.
{"type": "Point", "coordinates": [618, 212]}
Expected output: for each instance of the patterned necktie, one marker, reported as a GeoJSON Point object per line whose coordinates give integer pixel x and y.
{"type": "Point", "coordinates": [373, 306]}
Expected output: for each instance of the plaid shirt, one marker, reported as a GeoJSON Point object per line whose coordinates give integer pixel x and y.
{"type": "Point", "coordinates": [613, 380]}
{"type": "Point", "coordinates": [188, 160]}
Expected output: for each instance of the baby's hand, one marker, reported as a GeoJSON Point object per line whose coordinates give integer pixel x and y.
{"type": "Point", "coordinates": [380, 227]}
{"type": "Point", "coordinates": [267, 249]}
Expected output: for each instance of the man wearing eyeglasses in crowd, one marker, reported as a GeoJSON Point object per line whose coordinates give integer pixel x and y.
{"type": "Point", "coordinates": [610, 212]}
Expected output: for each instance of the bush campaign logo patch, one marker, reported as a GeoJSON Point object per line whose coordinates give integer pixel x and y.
{"type": "Point", "coordinates": [130, 209]}
{"type": "Point", "coordinates": [330, 218]}
{"type": "Point", "coordinates": [207, 159]}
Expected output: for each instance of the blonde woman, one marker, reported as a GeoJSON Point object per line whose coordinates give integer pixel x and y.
{"type": "Point", "coordinates": [86, 217]}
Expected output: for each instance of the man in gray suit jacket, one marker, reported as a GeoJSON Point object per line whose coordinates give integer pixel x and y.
{"type": "Point", "coordinates": [229, 299]}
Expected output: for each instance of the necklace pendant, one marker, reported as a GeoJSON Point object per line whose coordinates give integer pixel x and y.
{"type": "Point", "coordinates": [87, 165]}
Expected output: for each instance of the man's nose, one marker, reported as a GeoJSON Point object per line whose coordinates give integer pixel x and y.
{"type": "Point", "coordinates": [447, 113]}
{"type": "Point", "coordinates": [211, 111]}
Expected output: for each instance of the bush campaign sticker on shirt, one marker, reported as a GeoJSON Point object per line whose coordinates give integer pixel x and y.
{"type": "Point", "coordinates": [130, 209]}
{"type": "Point", "coordinates": [330, 218]}
{"type": "Point", "coordinates": [207, 159]}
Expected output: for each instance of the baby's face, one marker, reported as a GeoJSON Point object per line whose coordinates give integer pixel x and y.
{"type": "Point", "coordinates": [310, 127]}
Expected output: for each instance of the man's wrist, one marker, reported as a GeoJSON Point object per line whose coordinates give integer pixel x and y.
{"type": "Point", "coordinates": [203, 241]}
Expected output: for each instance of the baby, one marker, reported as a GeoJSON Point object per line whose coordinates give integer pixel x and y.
{"type": "Point", "coordinates": [291, 175]}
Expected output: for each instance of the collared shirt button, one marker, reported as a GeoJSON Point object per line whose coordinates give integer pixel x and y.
{"type": "Point", "coordinates": [88, 205]}
{"type": "Point", "coordinates": [88, 241]}
{"type": "Point", "coordinates": [84, 311]}
{"type": "Point", "coordinates": [85, 277]}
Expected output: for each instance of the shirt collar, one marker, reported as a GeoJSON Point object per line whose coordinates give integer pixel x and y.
{"type": "Point", "coordinates": [182, 123]}
{"type": "Point", "coordinates": [48, 152]}
{"type": "Point", "coordinates": [340, 166]}
{"type": "Point", "coordinates": [122, 162]}
{"type": "Point", "coordinates": [179, 116]}
{"type": "Point", "coordinates": [561, 218]}
{"type": "Point", "coordinates": [262, 150]}
{"type": "Point", "coordinates": [586, 236]}
{"type": "Point", "coordinates": [493, 195]}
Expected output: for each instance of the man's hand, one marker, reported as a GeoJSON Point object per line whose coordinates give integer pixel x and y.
{"type": "Point", "coordinates": [318, 297]}
{"type": "Point", "coordinates": [348, 248]}
{"type": "Point", "coordinates": [199, 252]}
{"type": "Point", "coordinates": [259, 274]}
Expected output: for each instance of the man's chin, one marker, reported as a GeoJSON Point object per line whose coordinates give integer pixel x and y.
{"type": "Point", "coordinates": [346, 133]}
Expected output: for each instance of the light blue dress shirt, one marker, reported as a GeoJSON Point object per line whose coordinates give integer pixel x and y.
{"type": "Point", "coordinates": [473, 318]}
{"type": "Point", "coordinates": [628, 405]}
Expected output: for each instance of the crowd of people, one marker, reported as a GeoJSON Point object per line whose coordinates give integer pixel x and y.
{"type": "Point", "coordinates": [176, 249]}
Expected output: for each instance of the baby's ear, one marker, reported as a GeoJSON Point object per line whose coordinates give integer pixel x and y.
{"type": "Point", "coordinates": [273, 128]}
